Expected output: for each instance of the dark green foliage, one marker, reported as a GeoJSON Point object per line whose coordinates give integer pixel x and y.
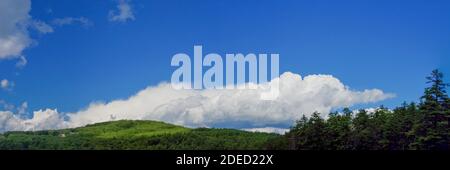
{"type": "Point", "coordinates": [411, 126]}
{"type": "Point", "coordinates": [432, 127]}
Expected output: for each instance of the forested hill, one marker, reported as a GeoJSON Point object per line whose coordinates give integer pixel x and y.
{"type": "Point", "coordinates": [127, 134]}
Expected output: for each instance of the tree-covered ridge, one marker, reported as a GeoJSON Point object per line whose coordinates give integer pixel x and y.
{"type": "Point", "coordinates": [422, 126]}
{"type": "Point", "coordinates": [127, 134]}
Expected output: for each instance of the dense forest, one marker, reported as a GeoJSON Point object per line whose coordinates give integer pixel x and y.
{"type": "Point", "coordinates": [412, 126]}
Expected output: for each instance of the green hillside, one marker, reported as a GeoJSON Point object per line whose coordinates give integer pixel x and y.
{"type": "Point", "coordinates": [127, 134]}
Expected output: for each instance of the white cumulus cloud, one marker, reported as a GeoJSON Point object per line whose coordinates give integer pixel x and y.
{"type": "Point", "coordinates": [239, 108]}
{"type": "Point", "coordinates": [14, 21]}
{"type": "Point", "coordinates": [123, 13]}
{"type": "Point", "coordinates": [42, 119]}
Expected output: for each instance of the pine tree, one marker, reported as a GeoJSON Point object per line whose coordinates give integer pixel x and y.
{"type": "Point", "coordinates": [432, 128]}
{"type": "Point", "coordinates": [311, 133]}
{"type": "Point", "coordinates": [338, 130]}
{"type": "Point", "coordinates": [362, 136]}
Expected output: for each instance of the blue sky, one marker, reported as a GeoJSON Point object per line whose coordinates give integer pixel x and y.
{"type": "Point", "coordinates": [385, 44]}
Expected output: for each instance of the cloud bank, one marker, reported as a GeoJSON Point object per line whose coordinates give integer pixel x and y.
{"type": "Point", "coordinates": [239, 108]}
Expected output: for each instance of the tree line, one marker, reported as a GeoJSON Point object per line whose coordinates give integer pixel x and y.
{"type": "Point", "coordinates": [411, 126]}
